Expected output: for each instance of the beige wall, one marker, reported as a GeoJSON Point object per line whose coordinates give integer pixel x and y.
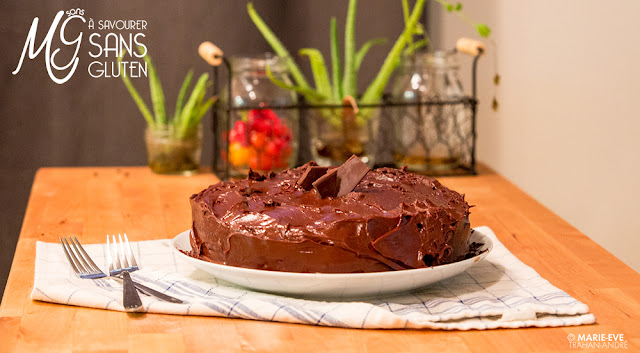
{"type": "Point", "coordinates": [568, 128]}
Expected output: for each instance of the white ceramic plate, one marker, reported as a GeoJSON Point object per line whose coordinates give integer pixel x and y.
{"type": "Point", "coordinates": [331, 285]}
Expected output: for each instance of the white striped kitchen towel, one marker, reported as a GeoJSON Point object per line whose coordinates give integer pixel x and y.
{"type": "Point", "coordinates": [497, 292]}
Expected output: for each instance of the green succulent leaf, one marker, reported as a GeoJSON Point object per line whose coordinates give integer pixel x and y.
{"type": "Point", "coordinates": [405, 11]}
{"type": "Point", "coordinates": [458, 7]}
{"type": "Point", "coordinates": [277, 46]}
{"type": "Point", "coordinates": [336, 74]}
{"type": "Point", "coordinates": [419, 30]}
{"type": "Point", "coordinates": [312, 95]}
{"type": "Point", "coordinates": [362, 52]}
{"type": "Point", "coordinates": [320, 75]}
{"type": "Point", "coordinates": [201, 110]}
{"type": "Point", "coordinates": [376, 88]}
{"type": "Point", "coordinates": [155, 88]}
{"type": "Point", "coordinates": [349, 80]}
{"type": "Point", "coordinates": [415, 46]}
{"type": "Point", "coordinates": [146, 113]}
{"type": "Point", "coordinates": [184, 122]}
{"type": "Point", "coordinates": [181, 95]}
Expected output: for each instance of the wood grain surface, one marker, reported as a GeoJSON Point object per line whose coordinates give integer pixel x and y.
{"type": "Point", "coordinates": [92, 202]}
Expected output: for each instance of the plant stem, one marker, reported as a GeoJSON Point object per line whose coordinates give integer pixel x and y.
{"type": "Point", "coordinates": [405, 15]}
{"type": "Point", "coordinates": [482, 29]}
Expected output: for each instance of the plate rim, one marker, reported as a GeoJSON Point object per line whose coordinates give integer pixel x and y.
{"type": "Point", "coordinates": [335, 276]}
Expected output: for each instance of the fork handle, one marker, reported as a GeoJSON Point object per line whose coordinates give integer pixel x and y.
{"type": "Point", "coordinates": [144, 289]}
{"type": "Point", "coordinates": [130, 297]}
{"type": "Point", "coordinates": [152, 292]}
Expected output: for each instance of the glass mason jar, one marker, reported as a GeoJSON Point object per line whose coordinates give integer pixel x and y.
{"type": "Point", "coordinates": [337, 134]}
{"type": "Point", "coordinates": [259, 137]}
{"type": "Point", "coordinates": [429, 137]}
{"type": "Point", "coordinates": [168, 153]}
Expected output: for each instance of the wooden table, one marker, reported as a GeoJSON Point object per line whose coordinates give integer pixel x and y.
{"type": "Point", "coordinates": [91, 202]}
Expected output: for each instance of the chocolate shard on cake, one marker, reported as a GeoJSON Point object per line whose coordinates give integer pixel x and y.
{"type": "Point", "coordinates": [311, 174]}
{"type": "Point", "coordinates": [389, 219]}
{"type": "Point", "coordinates": [342, 180]}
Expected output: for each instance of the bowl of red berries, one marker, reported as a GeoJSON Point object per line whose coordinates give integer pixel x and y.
{"type": "Point", "coordinates": [262, 141]}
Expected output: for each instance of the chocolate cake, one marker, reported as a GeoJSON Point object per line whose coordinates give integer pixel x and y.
{"type": "Point", "coordinates": [330, 220]}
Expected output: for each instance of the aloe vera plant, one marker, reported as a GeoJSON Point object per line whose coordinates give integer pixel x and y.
{"type": "Point", "coordinates": [343, 81]}
{"type": "Point", "coordinates": [350, 131]}
{"type": "Point", "coordinates": [173, 142]}
{"type": "Point", "coordinates": [187, 115]}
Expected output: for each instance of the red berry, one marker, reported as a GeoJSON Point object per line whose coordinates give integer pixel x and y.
{"type": "Point", "coordinates": [258, 139]}
{"type": "Point", "coordinates": [240, 126]}
{"type": "Point", "coordinates": [253, 113]}
{"type": "Point", "coordinates": [279, 129]}
{"type": "Point", "coordinates": [253, 162]}
{"type": "Point", "coordinates": [261, 125]}
{"type": "Point", "coordinates": [286, 133]}
{"type": "Point", "coordinates": [238, 133]}
{"type": "Point", "coordinates": [234, 136]}
{"type": "Point", "coordinates": [270, 115]}
{"type": "Point", "coordinates": [279, 142]}
{"type": "Point", "coordinates": [260, 161]}
{"type": "Point", "coordinates": [266, 162]}
{"type": "Point", "coordinates": [273, 149]}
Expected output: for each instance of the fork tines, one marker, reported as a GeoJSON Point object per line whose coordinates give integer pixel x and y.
{"type": "Point", "coordinates": [80, 261]}
{"type": "Point", "coordinates": [120, 256]}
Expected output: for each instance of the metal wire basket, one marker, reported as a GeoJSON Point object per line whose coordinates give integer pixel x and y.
{"type": "Point", "coordinates": [455, 118]}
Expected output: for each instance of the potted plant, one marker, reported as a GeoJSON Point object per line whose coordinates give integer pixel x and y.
{"type": "Point", "coordinates": [174, 142]}
{"type": "Point", "coordinates": [339, 133]}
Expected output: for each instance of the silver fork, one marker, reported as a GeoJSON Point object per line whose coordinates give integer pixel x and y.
{"type": "Point", "coordinates": [123, 261]}
{"type": "Point", "coordinates": [84, 267]}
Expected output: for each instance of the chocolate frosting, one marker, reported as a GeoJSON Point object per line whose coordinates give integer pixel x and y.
{"type": "Point", "coordinates": [392, 220]}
